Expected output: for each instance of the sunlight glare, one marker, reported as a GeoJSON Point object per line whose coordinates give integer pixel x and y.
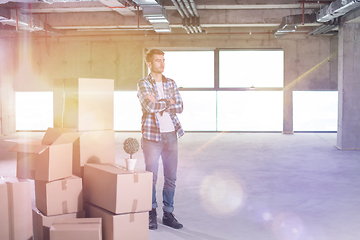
{"type": "Point", "coordinates": [222, 194]}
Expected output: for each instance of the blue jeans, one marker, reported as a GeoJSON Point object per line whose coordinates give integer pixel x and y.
{"type": "Point", "coordinates": [167, 148]}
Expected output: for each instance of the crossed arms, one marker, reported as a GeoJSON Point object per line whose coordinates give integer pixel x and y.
{"type": "Point", "coordinates": [149, 102]}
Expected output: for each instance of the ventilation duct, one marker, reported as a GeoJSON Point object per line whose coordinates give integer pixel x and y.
{"type": "Point", "coordinates": [336, 9]}
{"type": "Point", "coordinates": [144, 3]}
{"type": "Point", "coordinates": [158, 18]}
{"type": "Point", "coordinates": [289, 23]}
{"type": "Point", "coordinates": [155, 13]}
{"type": "Point", "coordinates": [65, 1]}
{"type": "Point", "coordinates": [21, 21]}
{"type": "Point", "coordinates": [325, 27]}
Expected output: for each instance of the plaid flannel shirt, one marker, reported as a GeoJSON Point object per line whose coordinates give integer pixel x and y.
{"type": "Point", "coordinates": [149, 123]}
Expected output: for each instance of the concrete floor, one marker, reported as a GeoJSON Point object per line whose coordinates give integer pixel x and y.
{"type": "Point", "coordinates": [253, 186]}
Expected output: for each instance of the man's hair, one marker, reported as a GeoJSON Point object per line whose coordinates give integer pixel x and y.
{"type": "Point", "coordinates": [149, 56]}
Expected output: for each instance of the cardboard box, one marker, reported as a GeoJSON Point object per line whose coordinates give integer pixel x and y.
{"type": "Point", "coordinates": [15, 209]}
{"type": "Point", "coordinates": [134, 226]}
{"type": "Point", "coordinates": [125, 191]}
{"type": "Point", "coordinates": [93, 147]}
{"type": "Point", "coordinates": [60, 196]}
{"type": "Point", "coordinates": [75, 229]}
{"type": "Point", "coordinates": [84, 103]}
{"type": "Point", "coordinates": [49, 160]}
{"type": "Point", "coordinates": [43, 223]}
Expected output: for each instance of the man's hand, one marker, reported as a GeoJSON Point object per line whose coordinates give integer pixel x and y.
{"type": "Point", "coordinates": [172, 101]}
{"type": "Point", "coordinates": [151, 98]}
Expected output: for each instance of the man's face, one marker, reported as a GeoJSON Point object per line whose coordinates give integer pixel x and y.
{"type": "Point", "coordinates": [157, 65]}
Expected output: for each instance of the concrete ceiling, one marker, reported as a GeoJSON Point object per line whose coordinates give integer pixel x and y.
{"type": "Point", "coordinates": [74, 16]}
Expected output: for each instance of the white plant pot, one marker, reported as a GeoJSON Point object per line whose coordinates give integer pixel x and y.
{"type": "Point", "coordinates": [130, 163]}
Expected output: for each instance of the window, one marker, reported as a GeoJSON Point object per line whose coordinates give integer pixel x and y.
{"type": "Point", "coordinates": [199, 111]}
{"type": "Point", "coordinates": [206, 108]}
{"type": "Point", "coordinates": [34, 110]}
{"type": "Point", "coordinates": [315, 110]}
{"type": "Point", "coordinates": [190, 69]}
{"type": "Point", "coordinates": [247, 68]}
{"type": "Point", "coordinates": [250, 111]}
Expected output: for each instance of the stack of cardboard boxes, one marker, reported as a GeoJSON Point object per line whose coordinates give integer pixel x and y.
{"type": "Point", "coordinates": [121, 198]}
{"type": "Point", "coordinates": [80, 152]}
{"type": "Point", "coordinates": [58, 194]}
{"type": "Point", "coordinates": [15, 209]}
{"type": "Point", "coordinates": [49, 163]}
{"type": "Point", "coordinates": [83, 132]}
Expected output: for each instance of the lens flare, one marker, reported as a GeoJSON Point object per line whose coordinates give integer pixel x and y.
{"type": "Point", "coordinates": [288, 226]}
{"type": "Point", "coordinates": [222, 194]}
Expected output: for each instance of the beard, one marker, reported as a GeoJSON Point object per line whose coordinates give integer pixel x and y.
{"type": "Point", "coordinates": [157, 70]}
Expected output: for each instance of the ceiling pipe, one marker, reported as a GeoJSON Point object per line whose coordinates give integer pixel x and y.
{"type": "Point", "coordinates": [188, 7]}
{"type": "Point", "coordinates": [188, 12]}
{"type": "Point", "coordinates": [181, 4]}
{"type": "Point", "coordinates": [178, 8]}
{"type": "Point", "coordinates": [191, 29]}
{"type": "Point", "coordinates": [192, 3]}
{"type": "Point", "coordinates": [17, 20]}
{"type": "Point", "coordinates": [186, 29]}
{"type": "Point", "coordinates": [325, 28]}
{"type": "Point", "coordinates": [138, 17]}
{"type": "Point", "coordinates": [196, 18]}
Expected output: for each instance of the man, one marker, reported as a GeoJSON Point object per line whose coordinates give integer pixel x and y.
{"type": "Point", "coordinates": [160, 101]}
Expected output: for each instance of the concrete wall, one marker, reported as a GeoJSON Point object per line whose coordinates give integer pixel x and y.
{"type": "Point", "coordinates": [7, 95]}
{"type": "Point", "coordinates": [120, 57]}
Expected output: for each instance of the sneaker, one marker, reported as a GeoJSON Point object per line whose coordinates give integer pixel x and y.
{"type": "Point", "coordinates": [152, 219]}
{"type": "Point", "coordinates": [170, 220]}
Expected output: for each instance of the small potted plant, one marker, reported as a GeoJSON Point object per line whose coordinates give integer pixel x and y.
{"type": "Point", "coordinates": [131, 146]}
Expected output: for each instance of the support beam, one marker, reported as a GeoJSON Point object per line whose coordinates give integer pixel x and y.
{"type": "Point", "coordinates": [348, 136]}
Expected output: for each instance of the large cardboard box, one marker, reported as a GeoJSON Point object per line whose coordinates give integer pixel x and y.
{"type": "Point", "coordinates": [43, 223]}
{"type": "Point", "coordinates": [134, 226]}
{"type": "Point", "coordinates": [60, 196]}
{"type": "Point", "coordinates": [48, 160]}
{"type": "Point", "coordinates": [117, 190]}
{"type": "Point", "coordinates": [93, 147]}
{"type": "Point", "coordinates": [15, 209]}
{"type": "Point", "coordinates": [84, 103]}
{"type": "Point", "coordinates": [75, 229]}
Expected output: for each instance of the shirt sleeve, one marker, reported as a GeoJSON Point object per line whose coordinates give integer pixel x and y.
{"type": "Point", "coordinates": [178, 106]}
{"type": "Point", "coordinates": [145, 88]}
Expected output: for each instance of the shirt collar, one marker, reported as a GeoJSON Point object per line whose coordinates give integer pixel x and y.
{"type": "Point", "coordinates": [152, 80]}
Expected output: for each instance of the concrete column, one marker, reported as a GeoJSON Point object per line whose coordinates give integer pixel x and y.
{"type": "Point", "coordinates": [348, 135]}
{"type": "Point", "coordinates": [7, 95]}
{"type": "Point", "coordinates": [288, 112]}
